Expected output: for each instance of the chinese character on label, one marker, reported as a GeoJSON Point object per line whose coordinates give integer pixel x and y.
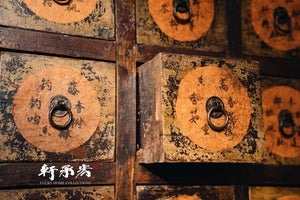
{"type": "Point", "coordinates": [45, 170]}
{"type": "Point", "coordinates": [83, 170]}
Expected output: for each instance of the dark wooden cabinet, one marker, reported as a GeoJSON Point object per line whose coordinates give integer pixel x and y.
{"type": "Point", "coordinates": [114, 40]}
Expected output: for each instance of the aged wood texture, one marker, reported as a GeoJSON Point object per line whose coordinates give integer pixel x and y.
{"type": "Point", "coordinates": [185, 192]}
{"type": "Point", "coordinates": [92, 193]}
{"type": "Point", "coordinates": [163, 139]}
{"type": "Point", "coordinates": [279, 94]}
{"type": "Point", "coordinates": [15, 68]}
{"type": "Point", "coordinates": [270, 193]}
{"type": "Point", "coordinates": [26, 174]}
{"type": "Point", "coordinates": [202, 15]}
{"type": "Point", "coordinates": [126, 100]}
{"type": "Point", "coordinates": [252, 43]}
{"type": "Point", "coordinates": [149, 33]}
{"type": "Point", "coordinates": [98, 24]}
{"type": "Point", "coordinates": [33, 41]}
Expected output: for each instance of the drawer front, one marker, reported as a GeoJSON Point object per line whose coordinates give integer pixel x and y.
{"type": "Point", "coordinates": [266, 32]}
{"type": "Point", "coordinates": [281, 117]}
{"type": "Point", "coordinates": [278, 193]}
{"type": "Point", "coordinates": [90, 18]}
{"type": "Point", "coordinates": [90, 192]}
{"type": "Point", "coordinates": [185, 192]}
{"type": "Point", "coordinates": [180, 117]}
{"type": "Point", "coordinates": [157, 25]}
{"type": "Point", "coordinates": [56, 109]}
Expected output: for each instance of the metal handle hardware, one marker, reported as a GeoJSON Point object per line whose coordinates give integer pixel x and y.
{"type": "Point", "coordinates": [281, 17]}
{"type": "Point", "coordinates": [60, 106]}
{"type": "Point", "coordinates": [182, 6]}
{"type": "Point", "coordinates": [285, 119]}
{"type": "Point", "coordinates": [62, 2]}
{"type": "Point", "coordinates": [215, 109]}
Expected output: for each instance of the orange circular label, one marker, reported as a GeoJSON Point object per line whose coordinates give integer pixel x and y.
{"type": "Point", "coordinates": [277, 22]}
{"type": "Point", "coordinates": [292, 197]}
{"type": "Point", "coordinates": [202, 15]}
{"type": "Point", "coordinates": [32, 105]}
{"type": "Point", "coordinates": [185, 197]}
{"type": "Point", "coordinates": [275, 100]}
{"type": "Point", "coordinates": [195, 89]}
{"type": "Point", "coordinates": [74, 11]}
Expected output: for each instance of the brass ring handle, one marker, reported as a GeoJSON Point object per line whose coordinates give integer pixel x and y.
{"type": "Point", "coordinates": [62, 2]}
{"type": "Point", "coordinates": [182, 6]}
{"type": "Point", "coordinates": [62, 107]}
{"type": "Point", "coordinates": [217, 128]}
{"type": "Point", "coordinates": [281, 17]}
{"type": "Point", "coordinates": [285, 119]}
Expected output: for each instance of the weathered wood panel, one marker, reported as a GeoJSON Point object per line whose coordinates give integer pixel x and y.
{"type": "Point", "coordinates": [92, 193]}
{"type": "Point", "coordinates": [162, 137]}
{"type": "Point", "coordinates": [277, 193]}
{"type": "Point", "coordinates": [126, 99]}
{"type": "Point", "coordinates": [51, 43]}
{"type": "Point", "coordinates": [99, 23]}
{"type": "Point", "coordinates": [185, 192]}
{"type": "Point", "coordinates": [149, 33]}
{"type": "Point", "coordinates": [15, 68]}
{"type": "Point", "coordinates": [252, 44]}
{"type": "Point", "coordinates": [286, 91]}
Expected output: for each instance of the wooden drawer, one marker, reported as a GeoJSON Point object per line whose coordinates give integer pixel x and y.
{"type": "Point", "coordinates": [208, 34]}
{"type": "Point", "coordinates": [281, 97]}
{"type": "Point", "coordinates": [90, 18]}
{"type": "Point", "coordinates": [174, 91]}
{"type": "Point", "coordinates": [260, 36]}
{"type": "Point", "coordinates": [56, 109]}
{"type": "Point", "coordinates": [185, 193]}
{"type": "Point", "coordinates": [270, 193]}
{"type": "Point", "coordinates": [89, 192]}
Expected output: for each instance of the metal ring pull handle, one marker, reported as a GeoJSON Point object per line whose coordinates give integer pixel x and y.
{"type": "Point", "coordinates": [217, 128]}
{"type": "Point", "coordinates": [281, 17]}
{"type": "Point", "coordinates": [285, 119]}
{"type": "Point", "coordinates": [62, 2]}
{"type": "Point", "coordinates": [61, 106]}
{"type": "Point", "coordinates": [182, 6]}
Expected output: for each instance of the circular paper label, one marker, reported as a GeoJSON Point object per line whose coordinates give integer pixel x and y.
{"type": "Point", "coordinates": [276, 99]}
{"type": "Point", "coordinates": [74, 11]}
{"type": "Point", "coordinates": [194, 90]}
{"type": "Point", "coordinates": [31, 109]}
{"type": "Point", "coordinates": [185, 197]}
{"type": "Point", "coordinates": [277, 22]}
{"type": "Point", "coordinates": [202, 17]}
{"type": "Point", "coordinates": [293, 197]}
